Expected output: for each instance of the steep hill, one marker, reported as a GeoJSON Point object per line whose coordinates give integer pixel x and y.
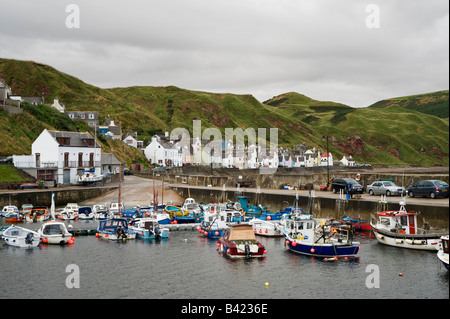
{"type": "Point", "coordinates": [386, 133]}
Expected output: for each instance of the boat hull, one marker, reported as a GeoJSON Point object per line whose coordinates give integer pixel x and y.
{"type": "Point", "coordinates": [417, 242]}
{"type": "Point", "coordinates": [212, 233]}
{"type": "Point", "coordinates": [57, 239]}
{"type": "Point", "coordinates": [322, 249]}
{"type": "Point", "coordinates": [19, 237]}
{"type": "Point", "coordinates": [233, 250]}
{"type": "Point", "coordinates": [114, 237]}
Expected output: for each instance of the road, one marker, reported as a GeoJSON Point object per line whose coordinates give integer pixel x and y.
{"type": "Point", "coordinates": [137, 190]}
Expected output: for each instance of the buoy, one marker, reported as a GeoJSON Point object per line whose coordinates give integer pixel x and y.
{"type": "Point", "coordinates": [269, 218]}
{"type": "Point", "coordinates": [266, 284]}
{"type": "Point", "coordinates": [217, 233]}
{"type": "Point", "coordinates": [400, 274]}
{"type": "Point", "coordinates": [44, 240]}
{"type": "Point", "coordinates": [228, 250]}
{"type": "Point", "coordinates": [96, 235]}
{"type": "Point", "coordinates": [185, 240]}
{"type": "Point", "coordinates": [265, 251]}
{"type": "Point", "coordinates": [294, 244]}
{"type": "Point", "coordinates": [287, 242]}
{"type": "Point", "coordinates": [218, 245]}
{"type": "Point", "coordinates": [313, 250]}
{"type": "Point", "coordinates": [266, 231]}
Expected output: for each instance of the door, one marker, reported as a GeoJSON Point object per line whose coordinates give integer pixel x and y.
{"type": "Point", "coordinates": [412, 224]}
{"type": "Point", "coordinates": [66, 176]}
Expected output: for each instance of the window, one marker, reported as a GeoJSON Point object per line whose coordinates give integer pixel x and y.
{"type": "Point", "coordinates": [91, 116]}
{"type": "Point", "coordinates": [38, 160]}
{"type": "Point", "coordinates": [80, 159]}
{"type": "Point", "coordinates": [91, 160]}
{"type": "Point", "coordinates": [66, 159]}
{"type": "Point", "coordinates": [82, 116]}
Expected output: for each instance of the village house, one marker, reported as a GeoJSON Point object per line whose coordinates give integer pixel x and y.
{"type": "Point", "coordinates": [90, 117]}
{"type": "Point", "coordinates": [162, 152]}
{"type": "Point", "coordinates": [60, 157]}
{"type": "Point", "coordinates": [58, 105]}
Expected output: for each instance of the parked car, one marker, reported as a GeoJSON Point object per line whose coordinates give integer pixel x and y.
{"type": "Point", "coordinates": [432, 188]}
{"type": "Point", "coordinates": [385, 188]}
{"type": "Point", "coordinates": [126, 171]}
{"type": "Point", "coordinates": [344, 183]}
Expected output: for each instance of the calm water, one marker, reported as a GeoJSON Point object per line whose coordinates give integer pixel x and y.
{"type": "Point", "coordinates": [188, 266]}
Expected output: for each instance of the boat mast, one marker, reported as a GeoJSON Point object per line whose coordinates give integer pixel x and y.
{"type": "Point", "coordinates": [120, 187]}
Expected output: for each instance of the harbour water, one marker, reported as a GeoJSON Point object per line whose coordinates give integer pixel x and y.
{"type": "Point", "coordinates": [188, 266]}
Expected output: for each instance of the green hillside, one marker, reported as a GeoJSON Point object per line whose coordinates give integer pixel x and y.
{"type": "Point", "coordinates": [387, 133]}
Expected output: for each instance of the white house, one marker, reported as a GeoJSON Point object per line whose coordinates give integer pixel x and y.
{"type": "Point", "coordinates": [130, 141]}
{"type": "Point", "coordinates": [61, 156]}
{"type": "Point", "coordinates": [58, 105]}
{"type": "Point", "coordinates": [347, 161]}
{"type": "Point", "coordinates": [326, 159]}
{"type": "Point", "coordinates": [162, 153]}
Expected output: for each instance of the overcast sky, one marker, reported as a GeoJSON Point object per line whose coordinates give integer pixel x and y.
{"type": "Point", "coordinates": [321, 48]}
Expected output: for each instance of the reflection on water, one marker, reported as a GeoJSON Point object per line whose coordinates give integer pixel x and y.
{"type": "Point", "coordinates": [187, 265]}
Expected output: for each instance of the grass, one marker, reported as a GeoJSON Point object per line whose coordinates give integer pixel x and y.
{"type": "Point", "coordinates": [395, 131]}
{"type": "Point", "coordinates": [8, 173]}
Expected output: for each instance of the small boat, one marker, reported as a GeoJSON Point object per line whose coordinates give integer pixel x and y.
{"type": "Point", "coordinates": [191, 208]}
{"type": "Point", "coordinates": [266, 228]}
{"type": "Point", "coordinates": [8, 209]}
{"type": "Point", "coordinates": [55, 232]}
{"type": "Point", "coordinates": [358, 224]}
{"type": "Point", "coordinates": [148, 228]}
{"type": "Point", "coordinates": [21, 237]}
{"type": "Point", "coordinates": [15, 217]}
{"type": "Point", "coordinates": [115, 229]}
{"type": "Point", "coordinates": [89, 179]}
{"type": "Point", "coordinates": [100, 211]}
{"type": "Point", "coordinates": [38, 214]}
{"type": "Point", "coordinates": [308, 236]}
{"type": "Point", "coordinates": [279, 215]}
{"type": "Point", "coordinates": [214, 224]}
{"type": "Point", "coordinates": [115, 209]}
{"type": "Point", "coordinates": [134, 212]}
{"type": "Point", "coordinates": [249, 210]}
{"type": "Point", "coordinates": [442, 253]}
{"type": "Point", "coordinates": [399, 228]}
{"type": "Point", "coordinates": [240, 242]}
{"type": "Point", "coordinates": [70, 212]}
{"type": "Point", "coordinates": [85, 213]}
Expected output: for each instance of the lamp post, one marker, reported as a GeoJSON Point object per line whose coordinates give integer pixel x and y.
{"type": "Point", "coordinates": [328, 160]}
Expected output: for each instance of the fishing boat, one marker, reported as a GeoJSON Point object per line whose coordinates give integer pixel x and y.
{"type": "Point", "coordinates": [240, 242]}
{"type": "Point", "coordinates": [214, 224]}
{"type": "Point", "coordinates": [55, 232]}
{"type": "Point", "coordinates": [249, 210]}
{"type": "Point", "coordinates": [148, 228]}
{"type": "Point", "coordinates": [134, 212]}
{"type": "Point", "coordinates": [266, 228]}
{"type": "Point", "coordinates": [399, 228]}
{"type": "Point", "coordinates": [85, 213]}
{"type": "Point", "coordinates": [178, 216]}
{"type": "Point", "coordinates": [442, 253]}
{"type": "Point", "coordinates": [358, 224]}
{"type": "Point", "coordinates": [20, 237]}
{"type": "Point", "coordinates": [308, 236]}
{"type": "Point", "coordinates": [100, 211]}
{"type": "Point", "coordinates": [115, 229]}
{"type": "Point", "coordinates": [8, 209]}
{"type": "Point", "coordinates": [38, 214]}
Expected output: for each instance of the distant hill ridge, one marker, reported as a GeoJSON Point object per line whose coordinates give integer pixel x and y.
{"type": "Point", "coordinates": [395, 131]}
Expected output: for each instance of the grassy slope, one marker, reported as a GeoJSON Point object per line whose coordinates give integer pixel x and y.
{"type": "Point", "coordinates": [386, 132]}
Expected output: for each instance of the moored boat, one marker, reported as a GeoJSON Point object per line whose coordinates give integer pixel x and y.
{"type": "Point", "coordinates": [70, 211]}
{"type": "Point", "coordinates": [20, 237]}
{"type": "Point", "coordinates": [115, 229]}
{"type": "Point", "coordinates": [358, 224]}
{"type": "Point", "coordinates": [442, 253]}
{"type": "Point", "coordinates": [55, 232]}
{"type": "Point", "coordinates": [214, 224]}
{"type": "Point", "coordinates": [38, 214]}
{"type": "Point", "coordinates": [85, 213]}
{"type": "Point", "coordinates": [100, 211]}
{"type": "Point", "coordinates": [399, 228]}
{"type": "Point", "coordinates": [89, 179]}
{"type": "Point", "coordinates": [8, 209]}
{"type": "Point", "coordinates": [308, 236]}
{"type": "Point", "coordinates": [240, 242]}
{"type": "Point", "coordinates": [148, 228]}
{"type": "Point", "coordinates": [266, 228]}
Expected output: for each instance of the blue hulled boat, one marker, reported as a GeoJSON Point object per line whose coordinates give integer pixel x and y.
{"type": "Point", "coordinates": [148, 228]}
{"type": "Point", "coordinates": [308, 236]}
{"type": "Point", "coordinates": [214, 224]}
